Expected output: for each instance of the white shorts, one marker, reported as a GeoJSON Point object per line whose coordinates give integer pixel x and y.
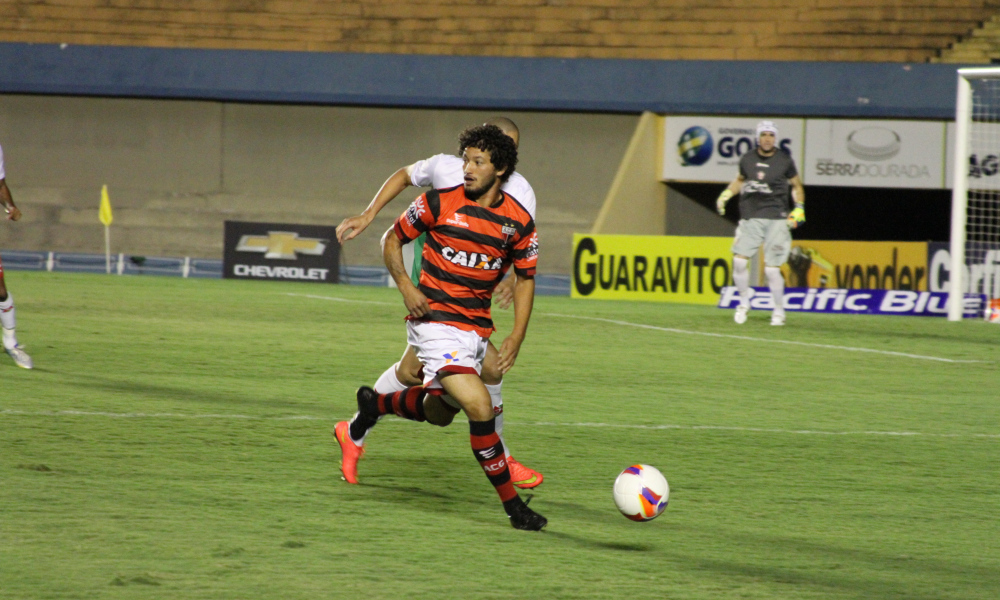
{"type": "Point", "coordinates": [773, 233]}
{"type": "Point", "coordinates": [445, 349]}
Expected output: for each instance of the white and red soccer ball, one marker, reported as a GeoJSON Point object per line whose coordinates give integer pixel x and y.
{"type": "Point", "coordinates": [641, 492]}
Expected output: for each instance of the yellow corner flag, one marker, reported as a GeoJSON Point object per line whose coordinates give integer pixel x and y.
{"type": "Point", "coordinates": [105, 213]}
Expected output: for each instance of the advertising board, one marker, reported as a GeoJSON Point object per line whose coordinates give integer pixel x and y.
{"type": "Point", "coordinates": [280, 251]}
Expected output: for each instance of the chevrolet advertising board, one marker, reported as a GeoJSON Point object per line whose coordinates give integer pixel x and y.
{"type": "Point", "coordinates": [279, 251]}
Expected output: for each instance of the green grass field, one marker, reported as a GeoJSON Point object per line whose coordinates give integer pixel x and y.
{"type": "Point", "coordinates": [174, 441]}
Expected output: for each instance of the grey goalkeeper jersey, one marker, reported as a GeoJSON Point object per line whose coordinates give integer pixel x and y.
{"type": "Point", "coordinates": [766, 193]}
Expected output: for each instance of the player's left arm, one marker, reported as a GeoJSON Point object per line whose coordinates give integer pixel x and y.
{"type": "Point", "coordinates": [13, 212]}
{"type": "Point", "coordinates": [503, 294]}
{"type": "Point", "coordinates": [524, 300]}
{"type": "Point", "coordinates": [525, 257]}
{"type": "Point", "coordinates": [798, 214]}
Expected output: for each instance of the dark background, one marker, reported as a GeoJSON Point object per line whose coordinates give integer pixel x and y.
{"type": "Point", "coordinates": [863, 214]}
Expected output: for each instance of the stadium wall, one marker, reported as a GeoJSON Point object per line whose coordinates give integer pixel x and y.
{"type": "Point", "coordinates": [834, 89]}
{"type": "Point", "coordinates": [188, 138]}
{"type": "Point", "coordinates": [177, 169]}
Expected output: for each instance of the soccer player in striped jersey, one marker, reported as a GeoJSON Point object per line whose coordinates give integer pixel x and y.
{"type": "Point", "coordinates": [445, 171]}
{"type": "Point", "coordinates": [475, 233]}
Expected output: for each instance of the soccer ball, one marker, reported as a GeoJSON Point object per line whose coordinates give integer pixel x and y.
{"type": "Point", "coordinates": [641, 492]}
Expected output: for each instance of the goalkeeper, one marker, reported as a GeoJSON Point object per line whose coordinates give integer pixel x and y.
{"type": "Point", "coordinates": [765, 179]}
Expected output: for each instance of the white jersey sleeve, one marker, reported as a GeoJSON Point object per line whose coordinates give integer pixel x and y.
{"type": "Point", "coordinates": [3, 174]}
{"type": "Point", "coordinates": [439, 172]}
{"type": "Point", "coordinates": [445, 171]}
{"type": "Point", "coordinates": [518, 187]}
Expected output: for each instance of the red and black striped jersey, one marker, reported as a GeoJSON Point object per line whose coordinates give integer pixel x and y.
{"type": "Point", "coordinates": [468, 251]}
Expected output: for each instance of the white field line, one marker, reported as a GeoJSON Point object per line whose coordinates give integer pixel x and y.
{"type": "Point", "coordinates": [84, 413]}
{"type": "Point", "coordinates": [687, 332]}
{"type": "Point", "coordinates": [754, 339]}
{"type": "Point", "coordinates": [335, 299]}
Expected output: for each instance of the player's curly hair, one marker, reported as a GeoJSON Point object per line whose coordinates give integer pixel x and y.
{"type": "Point", "coordinates": [490, 138]}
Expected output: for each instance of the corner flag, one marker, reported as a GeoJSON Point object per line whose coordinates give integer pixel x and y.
{"type": "Point", "coordinates": [105, 213]}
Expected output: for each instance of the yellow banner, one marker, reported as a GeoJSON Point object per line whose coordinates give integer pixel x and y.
{"type": "Point", "coordinates": [857, 265]}
{"type": "Point", "coordinates": [650, 267]}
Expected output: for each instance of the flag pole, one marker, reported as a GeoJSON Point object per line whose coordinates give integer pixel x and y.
{"type": "Point", "coordinates": [107, 248]}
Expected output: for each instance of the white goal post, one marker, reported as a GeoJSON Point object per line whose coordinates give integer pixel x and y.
{"type": "Point", "coordinates": [975, 200]}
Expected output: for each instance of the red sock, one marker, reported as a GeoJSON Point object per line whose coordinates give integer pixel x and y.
{"type": "Point", "coordinates": [488, 449]}
{"type": "Point", "coordinates": [408, 404]}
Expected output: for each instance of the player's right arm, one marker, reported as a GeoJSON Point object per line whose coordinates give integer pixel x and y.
{"type": "Point", "coordinates": [413, 298]}
{"type": "Point", "coordinates": [350, 227]}
{"type": "Point", "coordinates": [731, 190]}
{"type": "Point", "coordinates": [13, 213]}
{"type": "Point", "coordinates": [417, 219]}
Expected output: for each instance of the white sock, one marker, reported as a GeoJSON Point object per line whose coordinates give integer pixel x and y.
{"type": "Point", "coordinates": [497, 400]}
{"type": "Point", "coordinates": [7, 321]}
{"type": "Point", "coordinates": [741, 277]}
{"type": "Point", "coordinates": [388, 383]}
{"type": "Point", "coordinates": [776, 281]}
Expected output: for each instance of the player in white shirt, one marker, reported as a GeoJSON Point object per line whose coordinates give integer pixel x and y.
{"type": "Point", "coordinates": [10, 344]}
{"type": "Point", "coordinates": [439, 172]}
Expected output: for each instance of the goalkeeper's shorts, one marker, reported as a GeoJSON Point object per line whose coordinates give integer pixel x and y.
{"type": "Point", "coordinates": [773, 233]}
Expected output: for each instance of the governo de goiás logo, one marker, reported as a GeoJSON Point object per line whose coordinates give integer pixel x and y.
{"type": "Point", "coordinates": [694, 148]}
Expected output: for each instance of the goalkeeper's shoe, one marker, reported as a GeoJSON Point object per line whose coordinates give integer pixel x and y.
{"type": "Point", "coordinates": [20, 357]}
{"type": "Point", "coordinates": [351, 451]}
{"type": "Point", "coordinates": [521, 476]}
{"type": "Point", "coordinates": [741, 314]}
{"type": "Point", "coordinates": [796, 217]}
{"type": "Point", "coordinates": [522, 517]}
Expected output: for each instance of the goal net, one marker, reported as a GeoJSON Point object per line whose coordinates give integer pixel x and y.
{"type": "Point", "coordinates": [975, 209]}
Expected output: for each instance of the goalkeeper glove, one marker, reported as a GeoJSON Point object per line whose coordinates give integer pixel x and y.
{"type": "Point", "coordinates": [797, 217]}
{"type": "Point", "coordinates": [720, 204]}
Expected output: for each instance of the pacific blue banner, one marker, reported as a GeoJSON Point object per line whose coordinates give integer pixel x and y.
{"type": "Point", "coordinates": [858, 302]}
{"type": "Point", "coordinates": [280, 251]}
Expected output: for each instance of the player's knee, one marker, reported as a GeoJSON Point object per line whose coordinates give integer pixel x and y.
{"type": "Point", "coordinates": [491, 375]}
{"type": "Point", "coordinates": [437, 412]}
{"type": "Point", "coordinates": [408, 377]}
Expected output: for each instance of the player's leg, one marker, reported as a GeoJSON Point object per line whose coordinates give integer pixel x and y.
{"type": "Point", "coordinates": [398, 377]}
{"type": "Point", "coordinates": [777, 247]}
{"type": "Point", "coordinates": [351, 435]}
{"type": "Point", "coordinates": [522, 476]}
{"type": "Point", "coordinates": [8, 322]}
{"type": "Point", "coordinates": [748, 239]}
{"type": "Point", "coordinates": [741, 277]}
{"type": "Point", "coordinates": [471, 394]}
{"type": "Point", "coordinates": [396, 398]}
{"type": "Point", "coordinates": [408, 372]}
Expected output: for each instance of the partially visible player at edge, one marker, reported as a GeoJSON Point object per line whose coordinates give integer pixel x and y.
{"type": "Point", "coordinates": [475, 232]}
{"type": "Point", "coordinates": [763, 184]}
{"type": "Point", "coordinates": [7, 320]}
{"type": "Point", "coordinates": [439, 172]}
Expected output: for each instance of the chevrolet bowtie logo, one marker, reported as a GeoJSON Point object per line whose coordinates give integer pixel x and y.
{"type": "Point", "coordinates": [283, 245]}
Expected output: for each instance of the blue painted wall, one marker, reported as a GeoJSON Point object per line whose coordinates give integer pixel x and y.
{"type": "Point", "coordinates": [832, 89]}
